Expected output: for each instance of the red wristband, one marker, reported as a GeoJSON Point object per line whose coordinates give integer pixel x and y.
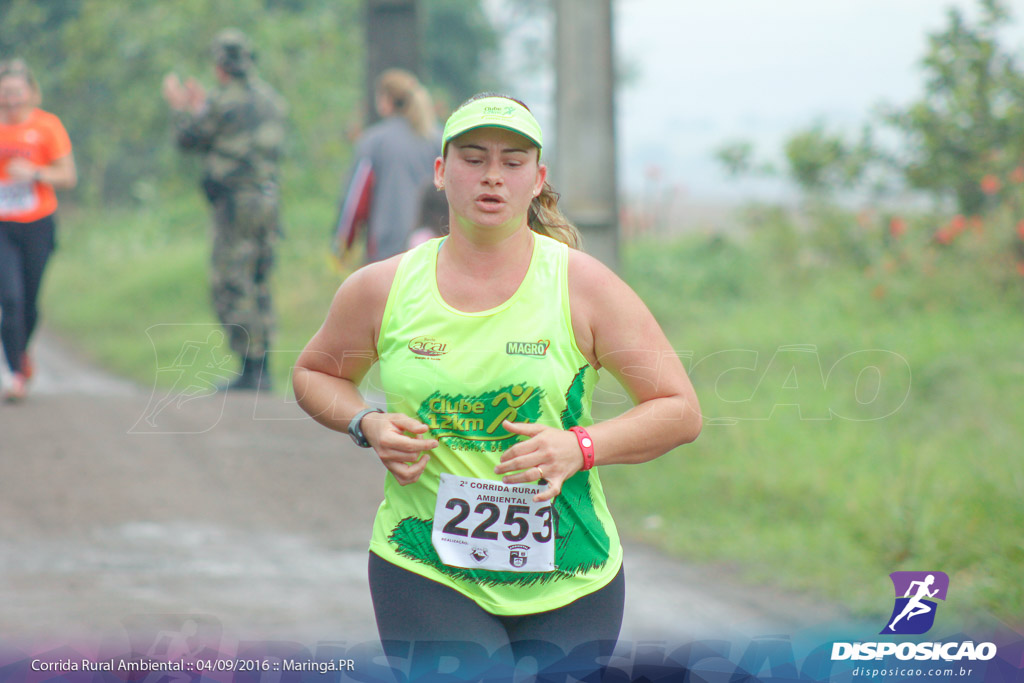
{"type": "Point", "coordinates": [586, 445]}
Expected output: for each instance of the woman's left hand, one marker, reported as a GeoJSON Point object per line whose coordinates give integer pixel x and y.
{"type": "Point", "coordinates": [550, 454]}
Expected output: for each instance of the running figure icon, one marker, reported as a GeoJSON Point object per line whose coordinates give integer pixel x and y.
{"type": "Point", "coordinates": [915, 606]}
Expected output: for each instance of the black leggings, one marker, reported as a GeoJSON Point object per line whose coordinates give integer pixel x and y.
{"type": "Point", "coordinates": [24, 251]}
{"type": "Point", "coordinates": [420, 620]}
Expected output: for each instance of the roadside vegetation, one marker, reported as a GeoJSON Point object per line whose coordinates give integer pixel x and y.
{"type": "Point", "coordinates": [860, 418]}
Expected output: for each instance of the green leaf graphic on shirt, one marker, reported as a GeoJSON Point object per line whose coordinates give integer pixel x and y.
{"type": "Point", "coordinates": [474, 422]}
{"type": "Point", "coordinates": [574, 399]}
{"type": "Point", "coordinates": [581, 542]}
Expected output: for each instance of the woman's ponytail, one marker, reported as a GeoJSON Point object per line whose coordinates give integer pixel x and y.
{"type": "Point", "coordinates": [546, 218]}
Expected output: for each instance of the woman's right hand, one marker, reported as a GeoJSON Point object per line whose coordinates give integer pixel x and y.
{"type": "Point", "coordinates": [22, 170]}
{"type": "Point", "coordinates": [402, 455]}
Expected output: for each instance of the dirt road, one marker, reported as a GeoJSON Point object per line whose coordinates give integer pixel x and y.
{"type": "Point", "coordinates": [118, 506]}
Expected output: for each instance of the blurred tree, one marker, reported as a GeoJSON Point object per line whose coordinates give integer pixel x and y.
{"type": "Point", "coordinates": [736, 157]}
{"type": "Point", "coordinates": [34, 23]}
{"type": "Point", "coordinates": [392, 40]}
{"type": "Point", "coordinates": [970, 122]}
{"type": "Point", "coordinates": [459, 40]}
{"type": "Point", "coordinates": [963, 136]}
{"type": "Point", "coordinates": [814, 158]}
{"type": "Point", "coordinates": [100, 64]}
{"type": "Point", "coordinates": [820, 162]}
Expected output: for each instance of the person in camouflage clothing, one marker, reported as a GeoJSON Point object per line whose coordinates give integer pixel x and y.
{"type": "Point", "coordinates": [239, 128]}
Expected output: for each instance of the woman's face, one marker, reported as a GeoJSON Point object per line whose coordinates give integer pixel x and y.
{"type": "Point", "coordinates": [490, 176]}
{"type": "Point", "coordinates": [16, 94]}
{"type": "Point", "coordinates": [385, 105]}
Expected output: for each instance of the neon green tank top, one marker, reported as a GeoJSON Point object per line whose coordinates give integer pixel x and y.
{"type": "Point", "coordinates": [462, 374]}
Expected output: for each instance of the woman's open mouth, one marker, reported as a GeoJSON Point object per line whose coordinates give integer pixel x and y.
{"type": "Point", "coordinates": [490, 201]}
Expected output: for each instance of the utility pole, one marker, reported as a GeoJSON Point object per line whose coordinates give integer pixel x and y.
{"type": "Point", "coordinates": [392, 40]}
{"type": "Point", "coordinates": [585, 103]}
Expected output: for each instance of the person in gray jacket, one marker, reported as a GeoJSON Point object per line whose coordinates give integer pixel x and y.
{"type": "Point", "coordinates": [392, 168]}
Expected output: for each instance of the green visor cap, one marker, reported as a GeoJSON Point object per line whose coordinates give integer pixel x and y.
{"type": "Point", "coordinates": [492, 112]}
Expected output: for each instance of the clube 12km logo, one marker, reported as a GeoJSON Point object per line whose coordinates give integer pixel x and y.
{"type": "Point", "coordinates": [913, 613]}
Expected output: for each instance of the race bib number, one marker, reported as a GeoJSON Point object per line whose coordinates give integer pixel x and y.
{"type": "Point", "coordinates": [17, 198]}
{"type": "Point", "coordinates": [480, 524]}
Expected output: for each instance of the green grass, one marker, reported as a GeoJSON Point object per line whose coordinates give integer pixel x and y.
{"type": "Point", "coordinates": [926, 476]}
{"type": "Point", "coordinates": [863, 405]}
{"type": "Point", "coordinates": [131, 287]}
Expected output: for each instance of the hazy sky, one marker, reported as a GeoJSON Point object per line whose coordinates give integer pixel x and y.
{"type": "Point", "coordinates": [705, 72]}
{"type": "Point", "coordinates": [708, 72]}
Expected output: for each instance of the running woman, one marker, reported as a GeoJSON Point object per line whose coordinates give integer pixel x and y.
{"type": "Point", "coordinates": [494, 528]}
{"type": "Point", "coordinates": [35, 158]}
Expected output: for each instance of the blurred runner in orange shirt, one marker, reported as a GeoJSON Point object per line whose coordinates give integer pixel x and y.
{"type": "Point", "coordinates": [35, 158]}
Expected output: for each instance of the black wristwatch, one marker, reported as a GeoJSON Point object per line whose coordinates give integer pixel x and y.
{"type": "Point", "coordinates": [355, 427]}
